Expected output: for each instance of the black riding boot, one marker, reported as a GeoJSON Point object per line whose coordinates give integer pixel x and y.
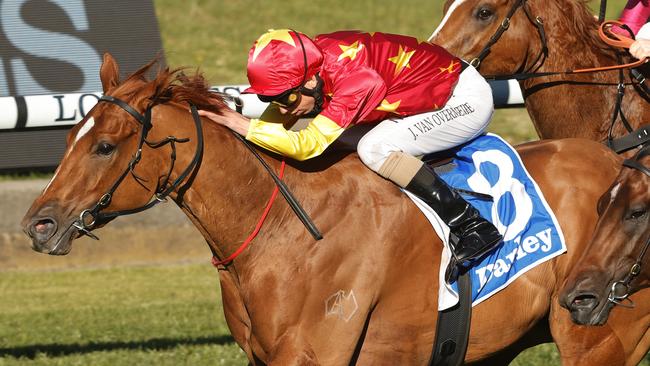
{"type": "Point", "coordinates": [474, 236]}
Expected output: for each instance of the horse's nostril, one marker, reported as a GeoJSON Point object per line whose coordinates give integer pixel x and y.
{"type": "Point", "coordinates": [43, 226]}
{"type": "Point", "coordinates": [43, 229]}
{"type": "Point", "coordinates": [584, 301]}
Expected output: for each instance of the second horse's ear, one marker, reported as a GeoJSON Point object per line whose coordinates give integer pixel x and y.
{"type": "Point", "coordinates": [109, 73]}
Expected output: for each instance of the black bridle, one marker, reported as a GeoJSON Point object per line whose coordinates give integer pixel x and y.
{"type": "Point", "coordinates": [92, 216]}
{"type": "Point", "coordinates": [88, 218]}
{"type": "Point", "coordinates": [635, 269]}
{"type": "Point", "coordinates": [505, 25]}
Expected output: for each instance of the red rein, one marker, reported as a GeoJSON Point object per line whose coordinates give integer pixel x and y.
{"type": "Point", "coordinates": [216, 262]}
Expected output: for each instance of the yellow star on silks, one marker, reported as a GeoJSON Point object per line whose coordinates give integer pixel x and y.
{"type": "Point", "coordinates": [387, 106]}
{"type": "Point", "coordinates": [401, 60]}
{"type": "Point", "coordinates": [350, 51]}
{"type": "Point", "coordinates": [449, 68]}
{"type": "Point", "coordinates": [272, 35]}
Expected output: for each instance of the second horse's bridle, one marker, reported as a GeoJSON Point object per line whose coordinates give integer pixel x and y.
{"type": "Point", "coordinates": [505, 25]}
{"type": "Point", "coordinates": [635, 269]}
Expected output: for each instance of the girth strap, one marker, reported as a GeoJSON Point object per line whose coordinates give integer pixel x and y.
{"type": "Point", "coordinates": [452, 329]}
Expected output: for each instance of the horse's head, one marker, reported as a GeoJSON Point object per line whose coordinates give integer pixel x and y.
{"type": "Point", "coordinates": [112, 162]}
{"type": "Point", "coordinates": [468, 25]}
{"type": "Point", "coordinates": [510, 36]}
{"type": "Point", "coordinates": [616, 263]}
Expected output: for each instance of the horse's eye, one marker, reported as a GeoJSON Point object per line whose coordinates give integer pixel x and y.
{"type": "Point", "coordinates": [484, 14]}
{"type": "Point", "coordinates": [104, 148]}
{"type": "Point", "coordinates": [638, 214]}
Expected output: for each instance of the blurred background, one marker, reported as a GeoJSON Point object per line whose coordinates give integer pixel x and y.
{"type": "Point", "coordinates": [146, 293]}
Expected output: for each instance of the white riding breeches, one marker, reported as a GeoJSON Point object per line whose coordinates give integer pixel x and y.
{"type": "Point", "coordinates": [465, 116]}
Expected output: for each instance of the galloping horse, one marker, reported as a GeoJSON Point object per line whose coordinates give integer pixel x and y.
{"type": "Point", "coordinates": [547, 36]}
{"type": "Point", "coordinates": [379, 257]}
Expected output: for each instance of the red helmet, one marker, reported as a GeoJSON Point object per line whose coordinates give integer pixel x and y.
{"type": "Point", "coordinates": [281, 60]}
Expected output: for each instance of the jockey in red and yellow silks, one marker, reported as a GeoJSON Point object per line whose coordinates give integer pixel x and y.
{"type": "Point", "coordinates": [421, 99]}
{"type": "Point", "coordinates": [367, 77]}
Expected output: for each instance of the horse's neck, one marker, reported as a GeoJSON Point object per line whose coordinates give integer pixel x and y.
{"type": "Point", "coordinates": [231, 190]}
{"type": "Point", "coordinates": [229, 193]}
{"type": "Point", "coordinates": [588, 109]}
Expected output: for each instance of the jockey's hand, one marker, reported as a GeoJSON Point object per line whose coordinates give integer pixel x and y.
{"type": "Point", "coordinates": [228, 118]}
{"type": "Point", "coordinates": [640, 48]}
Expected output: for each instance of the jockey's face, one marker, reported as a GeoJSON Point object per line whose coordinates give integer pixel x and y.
{"type": "Point", "coordinates": [305, 104]}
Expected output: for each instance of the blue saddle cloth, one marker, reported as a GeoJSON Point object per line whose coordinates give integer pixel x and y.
{"type": "Point", "coordinates": [531, 232]}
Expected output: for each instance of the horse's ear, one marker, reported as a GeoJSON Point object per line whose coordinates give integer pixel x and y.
{"type": "Point", "coordinates": [109, 72]}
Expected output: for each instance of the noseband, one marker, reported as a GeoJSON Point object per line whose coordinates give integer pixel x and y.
{"type": "Point", "coordinates": [505, 25]}
{"type": "Point", "coordinates": [90, 217]}
{"type": "Point", "coordinates": [636, 267]}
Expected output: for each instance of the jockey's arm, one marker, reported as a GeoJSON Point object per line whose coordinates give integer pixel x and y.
{"type": "Point", "coordinates": [271, 132]}
{"type": "Point", "coordinates": [356, 95]}
{"type": "Point", "coordinates": [300, 145]}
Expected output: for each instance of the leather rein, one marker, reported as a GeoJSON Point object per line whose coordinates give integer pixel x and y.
{"type": "Point", "coordinates": [89, 218]}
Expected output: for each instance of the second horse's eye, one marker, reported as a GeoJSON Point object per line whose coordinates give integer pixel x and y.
{"type": "Point", "coordinates": [484, 14]}
{"type": "Point", "coordinates": [104, 148]}
{"type": "Point", "coordinates": [638, 214]}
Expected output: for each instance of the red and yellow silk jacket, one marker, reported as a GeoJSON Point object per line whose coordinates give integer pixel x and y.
{"type": "Point", "coordinates": [368, 77]}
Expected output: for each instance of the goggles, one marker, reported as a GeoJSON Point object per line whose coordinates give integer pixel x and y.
{"type": "Point", "coordinates": [287, 99]}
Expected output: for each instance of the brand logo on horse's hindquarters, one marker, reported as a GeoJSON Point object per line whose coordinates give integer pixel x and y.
{"type": "Point", "coordinates": [341, 305]}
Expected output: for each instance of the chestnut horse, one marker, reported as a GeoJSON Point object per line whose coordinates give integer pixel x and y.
{"type": "Point", "coordinates": [379, 256]}
{"type": "Point", "coordinates": [560, 106]}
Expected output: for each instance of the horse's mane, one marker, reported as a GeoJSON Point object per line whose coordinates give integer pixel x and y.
{"type": "Point", "coordinates": [168, 86]}
{"type": "Point", "coordinates": [580, 23]}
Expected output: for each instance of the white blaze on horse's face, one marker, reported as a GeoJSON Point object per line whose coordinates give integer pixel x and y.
{"type": "Point", "coordinates": [89, 124]}
{"type": "Point", "coordinates": [451, 10]}
{"type": "Point", "coordinates": [614, 192]}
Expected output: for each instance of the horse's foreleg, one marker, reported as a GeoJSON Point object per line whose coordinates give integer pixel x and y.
{"type": "Point", "coordinates": [235, 313]}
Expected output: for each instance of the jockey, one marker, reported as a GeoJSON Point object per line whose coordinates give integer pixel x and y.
{"type": "Point", "coordinates": [420, 98]}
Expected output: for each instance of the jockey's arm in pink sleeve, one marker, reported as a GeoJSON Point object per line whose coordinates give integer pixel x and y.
{"type": "Point", "coordinates": [636, 14]}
